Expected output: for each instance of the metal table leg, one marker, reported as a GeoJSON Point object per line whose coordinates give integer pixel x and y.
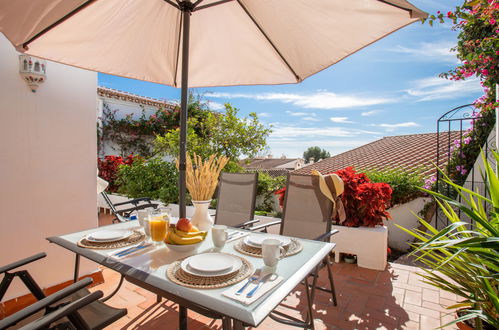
{"type": "Point", "coordinates": [226, 323]}
{"type": "Point", "coordinates": [238, 325]}
{"type": "Point", "coordinates": [182, 318]}
{"type": "Point", "coordinates": [77, 268]}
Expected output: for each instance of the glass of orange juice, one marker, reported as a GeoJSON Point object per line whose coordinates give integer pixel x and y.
{"type": "Point", "coordinates": [157, 226]}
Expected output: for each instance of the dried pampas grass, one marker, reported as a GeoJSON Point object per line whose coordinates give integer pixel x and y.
{"type": "Point", "coordinates": [202, 176]}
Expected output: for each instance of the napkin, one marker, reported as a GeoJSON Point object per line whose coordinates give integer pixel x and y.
{"type": "Point", "coordinates": [266, 287]}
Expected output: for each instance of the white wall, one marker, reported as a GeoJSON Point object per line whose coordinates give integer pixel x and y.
{"type": "Point", "coordinates": [123, 108]}
{"type": "Point", "coordinates": [403, 215]}
{"type": "Point", "coordinates": [47, 165]}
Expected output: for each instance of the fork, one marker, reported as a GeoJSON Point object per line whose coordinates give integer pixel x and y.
{"type": "Point", "coordinates": [253, 279]}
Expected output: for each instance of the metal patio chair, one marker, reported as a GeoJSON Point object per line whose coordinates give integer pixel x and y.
{"type": "Point", "coordinates": [81, 308]}
{"type": "Point", "coordinates": [306, 214]}
{"type": "Point", "coordinates": [236, 199]}
{"type": "Point", "coordinates": [123, 214]}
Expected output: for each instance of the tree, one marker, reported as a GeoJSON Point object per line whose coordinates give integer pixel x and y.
{"type": "Point", "coordinates": [221, 133]}
{"type": "Point", "coordinates": [316, 153]}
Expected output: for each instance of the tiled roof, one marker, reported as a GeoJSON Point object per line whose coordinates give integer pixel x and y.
{"type": "Point", "coordinates": [406, 152]}
{"type": "Point", "coordinates": [265, 162]}
{"type": "Point", "coordinates": [134, 98]}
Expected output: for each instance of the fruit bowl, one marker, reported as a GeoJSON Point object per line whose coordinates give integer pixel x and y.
{"type": "Point", "coordinates": [184, 248]}
{"type": "Point", "coordinates": [184, 237]}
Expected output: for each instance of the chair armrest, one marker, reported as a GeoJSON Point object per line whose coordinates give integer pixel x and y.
{"type": "Point", "coordinates": [324, 237]}
{"type": "Point", "coordinates": [46, 320]}
{"type": "Point", "coordinates": [135, 201]}
{"type": "Point", "coordinates": [41, 304]}
{"type": "Point", "coordinates": [22, 262]}
{"type": "Point", "coordinates": [136, 208]}
{"type": "Point", "coordinates": [247, 223]}
{"type": "Point", "coordinates": [265, 225]}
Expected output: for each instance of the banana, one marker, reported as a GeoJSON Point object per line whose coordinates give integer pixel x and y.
{"type": "Point", "coordinates": [167, 238]}
{"type": "Point", "coordinates": [176, 239]}
{"type": "Point", "coordinates": [182, 233]}
{"type": "Point", "coordinates": [193, 229]}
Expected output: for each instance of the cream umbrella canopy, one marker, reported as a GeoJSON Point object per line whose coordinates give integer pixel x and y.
{"type": "Point", "coordinates": [203, 42]}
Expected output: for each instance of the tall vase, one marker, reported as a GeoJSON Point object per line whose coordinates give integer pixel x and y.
{"type": "Point", "coordinates": [201, 217]}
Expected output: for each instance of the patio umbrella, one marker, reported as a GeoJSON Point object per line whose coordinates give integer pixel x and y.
{"type": "Point", "coordinates": [203, 42]}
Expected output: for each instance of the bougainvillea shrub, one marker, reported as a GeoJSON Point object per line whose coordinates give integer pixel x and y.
{"type": "Point", "coordinates": [108, 168]}
{"type": "Point", "coordinates": [365, 201]}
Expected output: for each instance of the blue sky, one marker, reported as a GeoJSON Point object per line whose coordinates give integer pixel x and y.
{"type": "Point", "coordinates": [389, 88]}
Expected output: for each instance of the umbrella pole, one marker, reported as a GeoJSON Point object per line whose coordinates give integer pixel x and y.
{"type": "Point", "coordinates": [186, 8]}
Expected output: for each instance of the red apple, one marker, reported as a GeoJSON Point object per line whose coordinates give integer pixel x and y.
{"type": "Point", "coordinates": [184, 224]}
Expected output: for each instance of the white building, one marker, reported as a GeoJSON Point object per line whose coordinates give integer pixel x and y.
{"type": "Point", "coordinates": [48, 166]}
{"type": "Point", "coordinates": [124, 104]}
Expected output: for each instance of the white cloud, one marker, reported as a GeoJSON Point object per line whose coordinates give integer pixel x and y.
{"type": "Point", "coordinates": [300, 114]}
{"type": "Point", "coordinates": [264, 114]}
{"type": "Point", "coordinates": [429, 51]}
{"type": "Point", "coordinates": [343, 120]}
{"type": "Point", "coordinates": [294, 132]}
{"type": "Point", "coordinates": [317, 100]}
{"type": "Point", "coordinates": [310, 119]}
{"type": "Point", "coordinates": [370, 113]}
{"type": "Point", "coordinates": [434, 88]}
{"type": "Point", "coordinates": [215, 105]}
{"type": "Point", "coordinates": [392, 127]}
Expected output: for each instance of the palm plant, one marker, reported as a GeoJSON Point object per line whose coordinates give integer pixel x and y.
{"type": "Point", "coordinates": [463, 258]}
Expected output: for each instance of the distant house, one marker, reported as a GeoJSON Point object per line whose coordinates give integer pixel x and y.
{"type": "Point", "coordinates": [273, 166]}
{"type": "Point", "coordinates": [415, 152]}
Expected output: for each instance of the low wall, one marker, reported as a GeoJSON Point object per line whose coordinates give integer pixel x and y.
{"type": "Point", "coordinates": [403, 215]}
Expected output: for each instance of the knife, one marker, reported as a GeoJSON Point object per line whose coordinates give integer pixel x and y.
{"type": "Point", "coordinates": [137, 248]}
{"type": "Point", "coordinates": [129, 249]}
{"type": "Point", "coordinates": [260, 283]}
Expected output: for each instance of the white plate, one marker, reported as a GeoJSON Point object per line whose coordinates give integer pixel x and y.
{"type": "Point", "coordinates": [211, 262]}
{"type": "Point", "coordinates": [256, 240]}
{"type": "Point", "coordinates": [109, 235]}
{"type": "Point", "coordinates": [235, 267]}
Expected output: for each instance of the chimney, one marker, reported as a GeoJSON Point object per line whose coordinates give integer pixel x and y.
{"type": "Point", "coordinates": [269, 156]}
{"type": "Point", "coordinates": [311, 160]}
{"type": "Point", "coordinates": [283, 156]}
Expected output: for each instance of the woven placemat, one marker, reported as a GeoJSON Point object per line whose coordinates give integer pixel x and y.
{"type": "Point", "coordinates": [178, 276]}
{"type": "Point", "coordinates": [293, 248]}
{"type": "Point", "coordinates": [136, 237]}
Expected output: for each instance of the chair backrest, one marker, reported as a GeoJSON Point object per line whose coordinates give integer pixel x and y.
{"type": "Point", "coordinates": [307, 212]}
{"type": "Point", "coordinates": [236, 198]}
{"type": "Point", "coordinates": [118, 216]}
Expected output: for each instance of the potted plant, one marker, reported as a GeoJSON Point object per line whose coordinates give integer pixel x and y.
{"type": "Point", "coordinates": [463, 258]}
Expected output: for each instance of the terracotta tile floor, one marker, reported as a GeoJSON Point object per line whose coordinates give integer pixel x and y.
{"type": "Point", "coordinates": [367, 299]}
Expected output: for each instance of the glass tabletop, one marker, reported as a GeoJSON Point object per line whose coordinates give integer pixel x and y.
{"type": "Point", "coordinates": [151, 268]}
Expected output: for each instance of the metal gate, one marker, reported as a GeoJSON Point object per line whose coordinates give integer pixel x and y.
{"type": "Point", "coordinates": [457, 157]}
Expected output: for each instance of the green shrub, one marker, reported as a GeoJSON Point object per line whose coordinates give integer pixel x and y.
{"type": "Point", "coordinates": [405, 185]}
{"type": "Point", "coordinates": [265, 189]}
{"type": "Point", "coordinates": [154, 178]}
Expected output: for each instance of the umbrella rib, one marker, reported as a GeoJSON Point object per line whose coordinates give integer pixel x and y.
{"type": "Point", "coordinates": [59, 21]}
{"type": "Point", "coordinates": [209, 5]}
{"type": "Point", "coordinates": [178, 50]}
{"type": "Point", "coordinates": [396, 6]}
{"type": "Point", "coordinates": [172, 3]}
{"type": "Point", "coordinates": [268, 39]}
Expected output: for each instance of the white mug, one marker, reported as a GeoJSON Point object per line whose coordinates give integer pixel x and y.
{"type": "Point", "coordinates": [219, 235]}
{"type": "Point", "coordinates": [272, 252]}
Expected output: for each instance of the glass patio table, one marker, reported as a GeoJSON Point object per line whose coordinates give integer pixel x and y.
{"type": "Point", "coordinates": [149, 271]}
